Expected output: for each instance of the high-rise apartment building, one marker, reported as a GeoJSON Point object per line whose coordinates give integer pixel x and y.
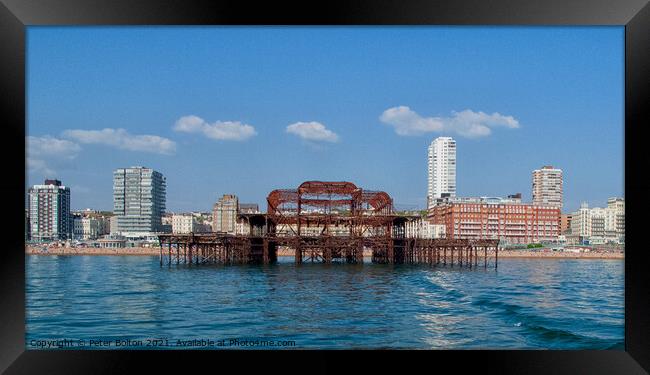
{"type": "Point", "coordinates": [49, 211]}
{"type": "Point", "coordinates": [547, 187]}
{"type": "Point", "coordinates": [224, 214]}
{"type": "Point", "coordinates": [139, 197]}
{"type": "Point", "coordinates": [441, 169]}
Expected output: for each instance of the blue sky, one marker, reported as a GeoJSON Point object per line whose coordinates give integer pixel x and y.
{"type": "Point", "coordinates": [246, 110]}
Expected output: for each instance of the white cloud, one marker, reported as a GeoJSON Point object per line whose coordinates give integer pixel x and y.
{"type": "Point", "coordinates": [312, 131]}
{"type": "Point", "coordinates": [121, 139]}
{"type": "Point", "coordinates": [466, 123]}
{"type": "Point", "coordinates": [46, 152]}
{"type": "Point", "coordinates": [220, 130]}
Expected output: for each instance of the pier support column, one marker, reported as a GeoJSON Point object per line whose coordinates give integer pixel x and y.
{"type": "Point", "coordinates": [327, 254]}
{"type": "Point", "coordinates": [452, 255]}
{"type": "Point", "coordinates": [298, 254]}
{"type": "Point", "coordinates": [265, 254]}
{"type": "Point", "coordinates": [359, 253]}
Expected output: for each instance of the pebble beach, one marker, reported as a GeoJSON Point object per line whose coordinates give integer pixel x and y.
{"type": "Point", "coordinates": [149, 251]}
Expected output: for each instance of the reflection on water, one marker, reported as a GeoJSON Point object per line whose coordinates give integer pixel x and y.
{"type": "Point", "coordinates": [556, 304]}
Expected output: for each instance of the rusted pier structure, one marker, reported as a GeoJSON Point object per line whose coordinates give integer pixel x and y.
{"type": "Point", "coordinates": [218, 248]}
{"type": "Point", "coordinates": [326, 222]}
{"type": "Point", "coordinates": [446, 252]}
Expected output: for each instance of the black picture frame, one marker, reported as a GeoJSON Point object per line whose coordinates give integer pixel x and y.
{"type": "Point", "coordinates": [16, 15]}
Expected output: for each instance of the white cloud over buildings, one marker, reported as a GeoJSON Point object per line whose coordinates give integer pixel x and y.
{"type": "Point", "coordinates": [219, 130]}
{"type": "Point", "coordinates": [122, 139]}
{"type": "Point", "coordinates": [467, 123]}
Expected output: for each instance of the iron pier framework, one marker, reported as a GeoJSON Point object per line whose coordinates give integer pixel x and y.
{"type": "Point", "coordinates": [326, 222]}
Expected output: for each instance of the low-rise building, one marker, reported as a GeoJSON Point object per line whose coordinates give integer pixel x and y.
{"type": "Point", "coordinates": [167, 218]}
{"type": "Point", "coordinates": [89, 225]}
{"type": "Point", "coordinates": [423, 228]}
{"type": "Point", "coordinates": [183, 223]}
{"type": "Point", "coordinates": [77, 227]}
{"type": "Point", "coordinates": [112, 242]}
{"type": "Point", "coordinates": [506, 219]}
{"type": "Point", "coordinates": [203, 222]}
{"type": "Point", "coordinates": [599, 225]}
{"type": "Point", "coordinates": [249, 208]}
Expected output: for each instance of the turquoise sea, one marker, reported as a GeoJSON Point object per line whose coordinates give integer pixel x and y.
{"type": "Point", "coordinates": [131, 302]}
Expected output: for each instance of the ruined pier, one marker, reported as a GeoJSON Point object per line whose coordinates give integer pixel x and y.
{"type": "Point", "coordinates": [326, 222]}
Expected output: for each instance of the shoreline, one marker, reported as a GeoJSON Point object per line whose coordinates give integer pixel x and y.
{"type": "Point", "coordinates": [517, 254]}
{"type": "Point", "coordinates": [130, 251]}
{"type": "Point", "coordinates": [155, 251]}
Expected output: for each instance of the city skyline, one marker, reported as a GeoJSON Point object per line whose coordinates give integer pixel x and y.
{"type": "Point", "coordinates": [106, 98]}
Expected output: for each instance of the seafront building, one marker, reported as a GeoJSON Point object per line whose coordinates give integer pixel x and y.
{"type": "Point", "coordinates": [203, 221]}
{"type": "Point", "coordinates": [139, 198]}
{"type": "Point", "coordinates": [166, 220]}
{"type": "Point", "coordinates": [242, 225]}
{"type": "Point", "coordinates": [599, 225]}
{"type": "Point", "coordinates": [89, 224]}
{"type": "Point", "coordinates": [88, 228]}
{"type": "Point", "coordinates": [249, 208]}
{"type": "Point", "coordinates": [183, 223]}
{"type": "Point", "coordinates": [224, 214]}
{"type": "Point", "coordinates": [441, 169]}
{"type": "Point", "coordinates": [113, 225]}
{"type": "Point", "coordinates": [617, 205]}
{"type": "Point", "coordinates": [188, 223]}
{"type": "Point", "coordinates": [28, 234]}
{"type": "Point", "coordinates": [565, 223]}
{"type": "Point", "coordinates": [506, 219]}
{"type": "Point", "coordinates": [547, 187]}
{"type": "Point", "coordinates": [49, 212]}
{"type": "Point", "coordinates": [423, 228]}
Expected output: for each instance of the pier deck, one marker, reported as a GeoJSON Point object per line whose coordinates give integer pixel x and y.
{"type": "Point", "coordinates": [222, 248]}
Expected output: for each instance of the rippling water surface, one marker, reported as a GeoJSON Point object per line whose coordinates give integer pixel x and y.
{"type": "Point", "coordinates": [526, 303]}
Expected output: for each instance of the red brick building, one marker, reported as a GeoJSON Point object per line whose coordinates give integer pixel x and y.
{"type": "Point", "coordinates": [506, 219]}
